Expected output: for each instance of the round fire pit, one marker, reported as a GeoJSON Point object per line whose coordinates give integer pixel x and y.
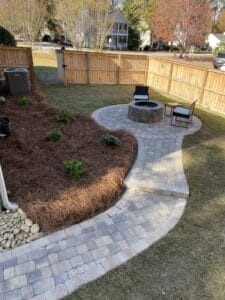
{"type": "Point", "coordinates": [145, 111]}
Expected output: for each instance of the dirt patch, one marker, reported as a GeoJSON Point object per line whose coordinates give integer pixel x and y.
{"type": "Point", "coordinates": [34, 171]}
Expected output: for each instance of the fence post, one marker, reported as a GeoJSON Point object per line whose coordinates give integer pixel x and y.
{"type": "Point", "coordinates": [170, 78]}
{"type": "Point", "coordinates": [30, 59]}
{"type": "Point", "coordinates": [64, 65]}
{"type": "Point", "coordinates": [203, 86]}
{"type": "Point", "coordinates": [87, 68]}
{"type": "Point", "coordinates": [146, 70]}
{"type": "Point", "coordinates": [60, 68]}
{"type": "Point", "coordinates": [119, 66]}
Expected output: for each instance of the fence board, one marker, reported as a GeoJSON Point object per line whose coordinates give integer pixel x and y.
{"type": "Point", "coordinates": [133, 69]}
{"type": "Point", "coordinates": [184, 91]}
{"type": "Point", "coordinates": [160, 67]}
{"type": "Point", "coordinates": [103, 69]}
{"type": "Point", "coordinates": [75, 67]}
{"type": "Point", "coordinates": [11, 57]}
{"type": "Point", "coordinates": [215, 82]}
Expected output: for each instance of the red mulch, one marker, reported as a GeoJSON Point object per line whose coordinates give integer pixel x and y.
{"type": "Point", "coordinates": [33, 167]}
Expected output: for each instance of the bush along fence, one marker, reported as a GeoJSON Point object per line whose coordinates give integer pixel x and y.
{"type": "Point", "coordinates": [173, 78]}
{"type": "Point", "coordinates": [11, 57]}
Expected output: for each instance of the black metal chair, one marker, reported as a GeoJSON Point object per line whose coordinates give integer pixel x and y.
{"type": "Point", "coordinates": [184, 113]}
{"type": "Point", "coordinates": [141, 93]}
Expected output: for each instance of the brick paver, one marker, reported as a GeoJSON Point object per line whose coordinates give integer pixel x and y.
{"type": "Point", "coordinates": [57, 264]}
{"type": "Point", "coordinates": [158, 167]}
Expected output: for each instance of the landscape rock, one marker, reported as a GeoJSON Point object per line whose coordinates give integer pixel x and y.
{"type": "Point", "coordinates": [35, 228]}
{"type": "Point", "coordinates": [25, 228]}
{"type": "Point", "coordinates": [20, 211]}
{"type": "Point", "coordinates": [16, 229]}
{"type": "Point", "coordinates": [28, 222]}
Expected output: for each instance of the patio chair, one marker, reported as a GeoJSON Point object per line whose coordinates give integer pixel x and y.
{"type": "Point", "coordinates": [141, 93]}
{"type": "Point", "coordinates": [183, 113]}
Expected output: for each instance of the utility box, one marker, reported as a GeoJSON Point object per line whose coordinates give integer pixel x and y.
{"type": "Point", "coordinates": [18, 81]}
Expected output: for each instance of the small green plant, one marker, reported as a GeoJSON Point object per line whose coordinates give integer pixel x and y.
{"type": "Point", "coordinates": [24, 101]}
{"type": "Point", "coordinates": [65, 116]}
{"type": "Point", "coordinates": [76, 168]}
{"type": "Point", "coordinates": [110, 139]}
{"type": "Point", "coordinates": [54, 134]}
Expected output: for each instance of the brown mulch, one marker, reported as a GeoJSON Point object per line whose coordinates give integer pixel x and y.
{"type": "Point", "coordinates": [33, 167]}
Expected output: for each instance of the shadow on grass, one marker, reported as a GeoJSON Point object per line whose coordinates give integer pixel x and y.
{"type": "Point", "coordinates": [46, 75]}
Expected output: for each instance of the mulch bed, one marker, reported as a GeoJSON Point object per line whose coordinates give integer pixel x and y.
{"type": "Point", "coordinates": [34, 172]}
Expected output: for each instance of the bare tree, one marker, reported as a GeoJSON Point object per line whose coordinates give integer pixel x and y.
{"type": "Point", "coordinates": [102, 23]}
{"type": "Point", "coordinates": [70, 19]}
{"type": "Point", "coordinates": [8, 16]}
{"type": "Point", "coordinates": [31, 17]}
{"type": "Point", "coordinates": [86, 23]}
{"type": "Point", "coordinates": [23, 17]}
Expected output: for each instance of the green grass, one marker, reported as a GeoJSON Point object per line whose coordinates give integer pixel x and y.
{"type": "Point", "coordinates": [87, 98]}
{"type": "Point", "coordinates": [45, 65]}
{"type": "Point", "coordinates": [188, 263]}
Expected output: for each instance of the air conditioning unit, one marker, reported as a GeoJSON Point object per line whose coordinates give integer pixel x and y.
{"type": "Point", "coordinates": [18, 81]}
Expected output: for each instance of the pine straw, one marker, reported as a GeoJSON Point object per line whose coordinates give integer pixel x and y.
{"type": "Point", "coordinates": [33, 167]}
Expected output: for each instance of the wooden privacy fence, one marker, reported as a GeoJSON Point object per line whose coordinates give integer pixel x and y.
{"type": "Point", "coordinates": [11, 57]}
{"type": "Point", "coordinates": [174, 78]}
{"type": "Point", "coordinates": [102, 68]}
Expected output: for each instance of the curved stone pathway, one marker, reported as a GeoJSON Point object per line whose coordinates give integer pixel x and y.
{"type": "Point", "coordinates": [158, 167]}
{"type": "Point", "coordinates": [57, 264]}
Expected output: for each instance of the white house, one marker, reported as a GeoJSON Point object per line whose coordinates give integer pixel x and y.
{"type": "Point", "coordinates": [214, 39]}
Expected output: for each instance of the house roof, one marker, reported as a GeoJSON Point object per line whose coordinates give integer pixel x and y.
{"type": "Point", "coordinates": [220, 36]}
{"type": "Point", "coordinates": [119, 18]}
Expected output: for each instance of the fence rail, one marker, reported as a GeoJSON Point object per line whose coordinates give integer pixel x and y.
{"type": "Point", "coordinates": [11, 57]}
{"type": "Point", "coordinates": [174, 78]}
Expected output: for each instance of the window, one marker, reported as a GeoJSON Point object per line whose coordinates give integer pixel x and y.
{"type": "Point", "coordinates": [122, 39]}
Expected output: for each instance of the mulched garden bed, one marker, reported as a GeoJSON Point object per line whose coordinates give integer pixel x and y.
{"type": "Point", "coordinates": [34, 172]}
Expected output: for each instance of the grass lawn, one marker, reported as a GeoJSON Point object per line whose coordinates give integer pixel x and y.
{"type": "Point", "coordinates": [45, 65]}
{"type": "Point", "coordinates": [87, 98]}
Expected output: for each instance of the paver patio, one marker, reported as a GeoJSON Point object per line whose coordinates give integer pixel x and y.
{"type": "Point", "coordinates": [57, 264]}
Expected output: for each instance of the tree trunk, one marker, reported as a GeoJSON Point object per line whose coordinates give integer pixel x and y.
{"type": "Point", "coordinates": [182, 51]}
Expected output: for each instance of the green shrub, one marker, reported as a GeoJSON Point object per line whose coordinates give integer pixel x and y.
{"type": "Point", "coordinates": [76, 168]}
{"type": "Point", "coordinates": [6, 38]}
{"type": "Point", "coordinates": [110, 139]}
{"type": "Point", "coordinates": [54, 135]}
{"type": "Point", "coordinates": [24, 101]}
{"type": "Point", "coordinates": [46, 38]}
{"type": "Point", "coordinates": [65, 116]}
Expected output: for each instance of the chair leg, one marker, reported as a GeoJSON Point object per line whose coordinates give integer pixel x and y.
{"type": "Point", "coordinates": [190, 120]}
{"type": "Point", "coordinates": [178, 121]}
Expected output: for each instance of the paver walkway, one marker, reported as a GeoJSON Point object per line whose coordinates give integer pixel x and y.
{"type": "Point", "coordinates": [158, 166]}
{"type": "Point", "coordinates": [57, 264]}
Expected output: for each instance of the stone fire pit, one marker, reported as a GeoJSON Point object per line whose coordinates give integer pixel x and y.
{"type": "Point", "coordinates": [145, 111]}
